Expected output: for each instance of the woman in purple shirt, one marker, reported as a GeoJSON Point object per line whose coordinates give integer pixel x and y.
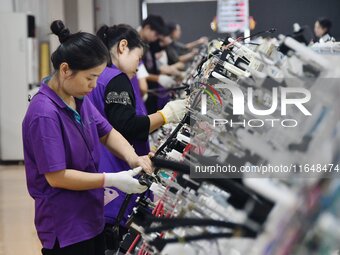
{"type": "Point", "coordinates": [118, 99]}
{"type": "Point", "coordinates": [62, 132]}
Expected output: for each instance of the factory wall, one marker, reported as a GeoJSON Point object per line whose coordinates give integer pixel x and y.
{"type": "Point", "coordinates": [195, 17]}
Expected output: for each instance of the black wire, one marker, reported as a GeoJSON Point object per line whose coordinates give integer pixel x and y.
{"type": "Point", "coordinates": [196, 99]}
{"type": "Point", "coordinates": [160, 243]}
{"type": "Point", "coordinates": [172, 135]}
{"type": "Point", "coordinates": [169, 164]}
{"type": "Point", "coordinates": [182, 222]}
{"type": "Point", "coordinates": [228, 185]}
{"type": "Point", "coordinates": [200, 65]}
{"type": "Point", "coordinates": [270, 31]}
{"type": "Point", "coordinates": [251, 43]}
{"type": "Point", "coordinates": [167, 89]}
{"type": "Point", "coordinates": [206, 236]}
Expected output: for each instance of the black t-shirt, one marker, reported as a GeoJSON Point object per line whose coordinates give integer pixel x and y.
{"type": "Point", "coordinates": [180, 48]}
{"type": "Point", "coordinates": [120, 109]}
{"type": "Point", "coordinates": [171, 52]}
{"type": "Point", "coordinates": [149, 57]}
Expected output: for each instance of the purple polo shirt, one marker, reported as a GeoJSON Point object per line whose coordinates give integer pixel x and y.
{"type": "Point", "coordinates": [54, 140]}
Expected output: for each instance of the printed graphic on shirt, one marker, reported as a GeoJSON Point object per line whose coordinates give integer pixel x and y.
{"type": "Point", "coordinates": [110, 195]}
{"type": "Point", "coordinates": [122, 98]}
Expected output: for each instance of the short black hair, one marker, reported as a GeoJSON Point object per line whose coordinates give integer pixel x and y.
{"type": "Point", "coordinates": [81, 51]}
{"type": "Point", "coordinates": [155, 22]}
{"type": "Point", "coordinates": [325, 23]}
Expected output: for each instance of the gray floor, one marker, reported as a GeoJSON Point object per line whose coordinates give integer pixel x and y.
{"type": "Point", "coordinates": [17, 232]}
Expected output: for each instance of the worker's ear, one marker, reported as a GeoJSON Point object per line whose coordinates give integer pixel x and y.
{"type": "Point", "coordinates": [122, 46]}
{"type": "Point", "coordinates": [64, 71]}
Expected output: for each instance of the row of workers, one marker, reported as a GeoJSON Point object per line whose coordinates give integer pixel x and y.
{"type": "Point", "coordinates": [87, 129]}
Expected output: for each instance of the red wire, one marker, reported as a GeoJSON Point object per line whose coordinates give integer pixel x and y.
{"type": "Point", "coordinates": [174, 175]}
{"type": "Point", "coordinates": [134, 243]}
{"type": "Point", "coordinates": [232, 43]}
{"type": "Point", "coordinates": [157, 211]}
{"type": "Point", "coordinates": [141, 251]}
{"type": "Point", "coordinates": [186, 149]}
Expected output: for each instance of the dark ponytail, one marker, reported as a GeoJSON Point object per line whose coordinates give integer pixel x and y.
{"type": "Point", "coordinates": [110, 36]}
{"type": "Point", "coordinates": [102, 34]}
{"type": "Point", "coordinates": [80, 51]}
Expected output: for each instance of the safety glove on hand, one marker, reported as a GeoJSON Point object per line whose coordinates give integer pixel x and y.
{"type": "Point", "coordinates": [166, 81]}
{"type": "Point", "coordinates": [124, 181]}
{"type": "Point", "coordinates": [174, 111]}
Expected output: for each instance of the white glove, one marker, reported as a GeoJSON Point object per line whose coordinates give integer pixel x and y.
{"type": "Point", "coordinates": [166, 81]}
{"type": "Point", "coordinates": [124, 181]}
{"type": "Point", "coordinates": [174, 111]}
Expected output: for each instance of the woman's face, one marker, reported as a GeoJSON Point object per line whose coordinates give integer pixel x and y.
{"type": "Point", "coordinates": [80, 83]}
{"type": "Point", "coordinates": [176, 34]}
{"type": "Point", "coordinates": [150, 35]}
{"type": "Point", "coordinates": [128, 60]}
{"type": "Point", "coordinates": [319, 30]}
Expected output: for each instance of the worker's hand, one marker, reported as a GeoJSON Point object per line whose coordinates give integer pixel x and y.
{"type": "Point", "coordinates": [124, 181]}
{"type": "Point", "coordinates": [166, 81]}
{"type": "Point", "coordinates": [203, 40]}
{"type": "Point", "coordinates": [144, 162]}
{"type": "Point", "coordinates": [174, 70]}
{"type": "Point", "coordinates": [194, 52]}
{"type": "Point", "coordinates": [174, 111]}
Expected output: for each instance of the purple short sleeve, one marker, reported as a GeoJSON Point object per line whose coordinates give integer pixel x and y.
{"type": "Point", "coordinates": [103, 126]}
{"type": "Point", "coordinates": [47, 145]}
{"type": "Point", "coordinates": [55, 140]}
